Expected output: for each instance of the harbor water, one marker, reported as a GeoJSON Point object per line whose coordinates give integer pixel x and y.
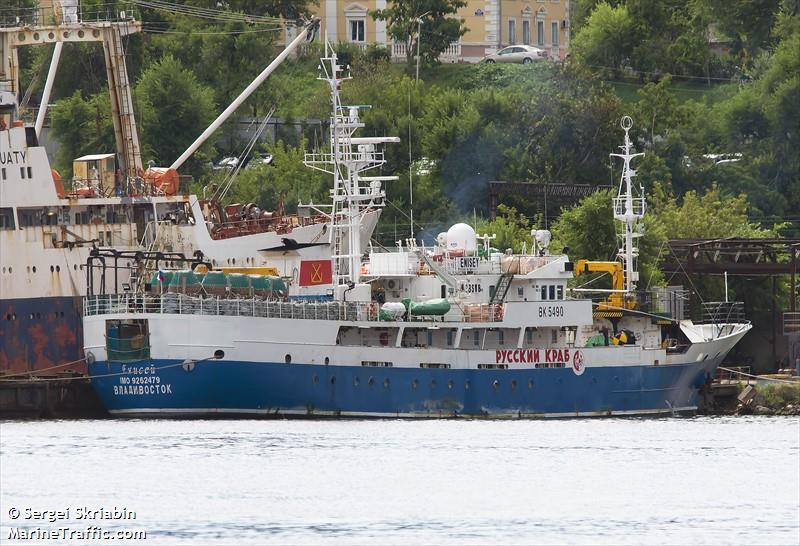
{"type": "Point", "coordinates": [695, 480]}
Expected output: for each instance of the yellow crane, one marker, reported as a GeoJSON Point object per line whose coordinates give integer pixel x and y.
{"type": "Point", "coordinates": [616, 300]}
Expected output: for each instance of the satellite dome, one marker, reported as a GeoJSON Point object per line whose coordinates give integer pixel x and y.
{"type": "Point", "coordinates": [461, 237]}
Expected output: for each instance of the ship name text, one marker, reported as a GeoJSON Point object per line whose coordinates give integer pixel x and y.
{"type": "Point", "coordinates": [9, 158]}
{"type": "Point", "coordinates": [531, 356]}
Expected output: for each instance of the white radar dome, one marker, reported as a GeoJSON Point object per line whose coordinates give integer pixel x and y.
{"type": "Point", "coordinates": [542, 237]}
{"type": "Point", "coordinates": [461, 237]}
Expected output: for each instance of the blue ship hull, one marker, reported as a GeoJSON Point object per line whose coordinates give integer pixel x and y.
{"type": "Point", "coordinates": [168, 387]}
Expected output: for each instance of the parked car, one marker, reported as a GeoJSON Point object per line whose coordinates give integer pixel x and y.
{"type": "Point", "coordinates": [524, 54]}
{"type": "Point", "coordinates": [259, 159]}
{"type": "Point", "coordinates": [227, 163]}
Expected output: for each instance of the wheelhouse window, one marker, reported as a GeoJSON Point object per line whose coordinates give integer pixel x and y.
{"type": "Point", "coordinates": [7, 218]}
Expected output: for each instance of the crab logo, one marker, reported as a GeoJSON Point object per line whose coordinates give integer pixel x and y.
{"type": "Point", "coordinates": [578, 365]}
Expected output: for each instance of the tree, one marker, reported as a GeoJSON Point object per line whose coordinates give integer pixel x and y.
{"type": "Point", "coordinates": [82, 127]}
{"type": "Point", "coordinates": [512, 229]}
{"type": "Point", "coordinates": [174, 109]}
{"type": "Point", "coordinates": [286, 177]}
{"type": "Point", "coordinates": [438, 29]}
{"type": "Point", "coordinates": [607, 38]}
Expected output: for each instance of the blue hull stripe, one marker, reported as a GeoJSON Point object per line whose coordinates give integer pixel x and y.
{"type": "Point", "coordinates": [250, 387]}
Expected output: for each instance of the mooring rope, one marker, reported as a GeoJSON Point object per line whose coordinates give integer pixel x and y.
{"type": "Point", "coordinates": [6, 375]}
{"type": "Point", "coordinates": [760, 377]}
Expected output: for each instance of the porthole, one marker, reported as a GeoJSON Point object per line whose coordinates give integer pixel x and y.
{"type": "Point", "coordinates": [333, 380]}
{"type": "Point", "coordinates": [386, 383]}
{"type": "Point", "coordinates": [315, 379]}
{"type": "Point", "coordinates": [513, 384]}
{"type": "Point", "coordinates": [495, 384]}
{"type": "Point", "coordinates": [13, 316]}
{"type": "Point", "coordinates": [52, 36]}
{"type": "Point", "coordinates": [288, 359]}
{"type": "Point", "coordinates": [467, 384]}
{"type": "Point", "coordinates": [414, 384]}
{"type": "Point", "coordinates": [75, 267]}
{"type": "Point", "coordinates": [28, 269]}
{"type": "Point", "coordinates": [9, 270]}
{"type": "Point", "coordinates": [327, 360]}
{"type": "Point", "coordinates": [31, 316]}
{"type": "Point", "coordinates": [219, 354]}
{"type": "Point", "coordinates": [8, 316]}
{"type": "Point", "coordinates": [530, 383]}
{"type": "Point", "coordinates": [58, 269]}
{"type": "Point", "coordinates": [356, 381]}
{"type": "Point", "coordinates": [36, 36]}
{"type": "Point", "coordinates": [34, 269]}
{"type": "Point", "coordinates": [371, 381]}
{"type": "Point", "coordinates": [80, 34]}
{"type": "Point", "coordinates": [38, 316]}
{"type": "Point", "coordinates": [433, 383]}
{"type": "Point", "coordinates": [594, 380]}
{"type": "Point", "coordinates": [450, 385]}
{"type": "Point", "coordinates": [52, 269]}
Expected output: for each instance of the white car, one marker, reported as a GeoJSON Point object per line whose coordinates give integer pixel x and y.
{"type": "Point", "coordinates": [524, 54]}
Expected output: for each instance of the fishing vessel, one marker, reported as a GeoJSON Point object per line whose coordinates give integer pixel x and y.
{"type": "Point", "coordinates": [49, 226]}
{"type": "Point", "coordinates": [452, 329]}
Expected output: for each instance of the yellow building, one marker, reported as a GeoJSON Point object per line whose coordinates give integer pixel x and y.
{"type": "Point", "coordinates": [491, 24]}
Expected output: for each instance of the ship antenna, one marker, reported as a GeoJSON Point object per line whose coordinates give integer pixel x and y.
{"type": "Point", "coordinates": [353, 194]}
{"type": "Point", "coordinates": [629, 209]}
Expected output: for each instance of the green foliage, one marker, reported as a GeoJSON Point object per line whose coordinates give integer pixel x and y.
{"type": "Point", "coordinates": [779, 395]}
{"type": "Point", "coordinates": [432, 18]}
{"type": "Point", "coordinates": [513, 230]}
{"type": "Point", "coordinates": [174, 109]}
{"type": "Point", "coordinates": [607, 38]}
{"type": "Point", "coordinates": [587, 229]}
{"type": "Point", "coordinates": [82, 127]}
{"type": "Point", "coordinates": [285, 177]}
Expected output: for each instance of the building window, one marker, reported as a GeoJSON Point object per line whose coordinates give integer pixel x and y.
{"type": "Point", "coordinates": [526, 32]}
{"type": "Point", "coordinates": [540, 33]}
{"type": "Point", "coordinates": [357, 30]}
{"type": "Point", "coordinates": [512, 31]}
{"type": "Point", "coordinates": [554, 32]}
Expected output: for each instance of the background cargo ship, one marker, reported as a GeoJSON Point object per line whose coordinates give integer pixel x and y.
{"type": "Point", "coordinates": [48, 225]}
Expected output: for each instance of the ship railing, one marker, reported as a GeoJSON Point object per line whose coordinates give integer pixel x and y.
{"type": "Point", "coordinates": [187, 304]}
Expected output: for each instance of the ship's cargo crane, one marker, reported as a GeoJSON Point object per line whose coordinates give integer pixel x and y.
{"type": "Point", "coordinates": [58, 26]}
